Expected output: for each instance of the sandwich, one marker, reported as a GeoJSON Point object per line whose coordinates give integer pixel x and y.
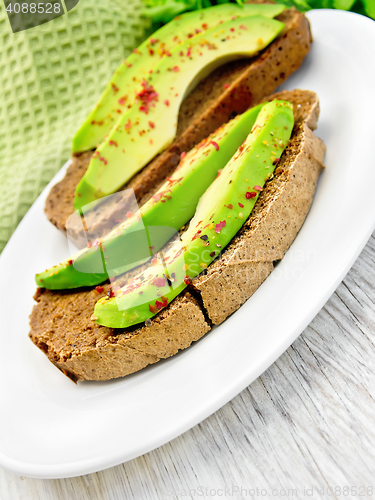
{"type": "Point", "coordinates": [253, 182]}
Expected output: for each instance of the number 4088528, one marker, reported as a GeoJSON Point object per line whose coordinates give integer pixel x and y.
{"type": "Point", "coordinates": [34, 8]}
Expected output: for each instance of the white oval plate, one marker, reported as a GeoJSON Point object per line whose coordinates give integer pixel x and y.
{"type": "Point", "coordinates": [51, 428]}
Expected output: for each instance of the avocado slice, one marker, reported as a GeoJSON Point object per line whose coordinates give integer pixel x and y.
{"type": "Point", "coordinates": [119, 93]}
{"type": "Point", "coordinates": [148, 127]}
{"type": "Point", "coordinates": [220, 214]}
{"type": "Point", "coordinates": [157, 220]}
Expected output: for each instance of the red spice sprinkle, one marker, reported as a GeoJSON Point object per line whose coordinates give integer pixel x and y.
{"type": "Point", "coordinates": [152, 124]}
{"type": "Point", "coordinates": [153, 309]}
{"type": "Point", "coordinates": [129, 214]}
{"type": "Point", "coordinates": [232, 29]}
{"type": "Point", "coordinates": [181, 53]}
{"type": "Point", "coordinates": [162, 304]}
{"type": "Point", "coordinates": [230, 206]}
{"type": "Point", "coordinates": [151, 51]}
{"type": "Point", "coordinates": [257, 188]}
{"type": "Point", "coordinates": [205, 26]}
{"type": "Point", "coordinates": [97, 123]}
{"type": "Point", "coordinates": [147, 96]}
{"type": "Point", "coordinates": [226, 85]}
{"type": "Point", "coordinates": [110, 293]}
{"type": "Point", "coordinates": [215, 145]}
{"type": "Point", "coordinates": [252, 194]}
{"type": "Point", "coordinates": [99, 289]}
{"type": "Point", "coordinates": [154, 40]}
{"type": "Point", "coordinates": [166, 102]}
{"type": "Point", "coordinates": [188, 53]}
{"type": "Point", "coordinates": [175, 69]}
{"type": "Point", "coordinates": [103, 160]}
{"type": "Point", "coordinates": [70, 262]}
{"type": "Point", "coordinates": [220, 226]}
{"type": "Point", "coordinates": [240, 204]}
{"type": "Point", "coordinates": [114, 87]}
{"type": "Point", "coordinates": [187, 280]}
{"type": "Point", "coordinates": [183, 154]}
{"type": "Point", "coordinates": [113, 143]}
{"type": "Point", "coordinates": [128, 124]}
{"type": "Point", "coordinates": [122, 100]}
{"type": "Point", "coordinates": [159, 282]}
{"type": "Point", "coordinates": [243, 27]}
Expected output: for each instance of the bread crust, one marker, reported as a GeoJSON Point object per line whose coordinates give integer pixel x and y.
{"type": "Point", "coordinates": [208, 107]}
{"type": "Point", "coordinates": [61, 322]}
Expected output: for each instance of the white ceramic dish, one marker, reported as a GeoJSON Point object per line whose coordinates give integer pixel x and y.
{"type": "Point", "coordinates": [50, 428]}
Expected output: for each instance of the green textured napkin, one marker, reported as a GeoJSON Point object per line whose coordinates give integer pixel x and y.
{"type": "Point", "coordinates": [50, 77]}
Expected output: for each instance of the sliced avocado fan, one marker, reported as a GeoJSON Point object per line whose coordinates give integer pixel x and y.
{"type": "Point", "coordinates": [149, 125]}
{"type": "Point", "coordinates": [220, 214]}
{"type": "Point", "coordinates": [120, 92]}
{"type": "Point", "coordinates": [146, 231]}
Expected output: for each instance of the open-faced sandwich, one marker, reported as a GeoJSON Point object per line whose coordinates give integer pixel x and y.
{"type": "Point", "coordinates": [223, 179]}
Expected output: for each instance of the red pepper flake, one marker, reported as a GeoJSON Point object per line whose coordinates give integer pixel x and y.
{"type": "Point", "coordinates": [114, 87]}
{"type": "Point", "coordinates": [166, 102]}
{"type": "Point", "coordinates": [159, 282]}
{"type": "Point", "coordinates": [257, 188]}
{"type": "Point", "coordinates": [275, 161]}
{"type": "Point", "coordinates": [243, 27]}
{"type": "Point", "coordinates": [70, 262]}
{"type": "Point", "coordinates": [129, 214]}
{"type": "Point", "coordinates": [122, 100]}
{"type": "Point", "coordinates": [154, 40]}
{"type": "Point", "coordinates": [226, 85]}
{"type": "Point", "coordinates": [176, 69]}
{"type": "Point", "coordinates": [110, 294]}
{"type": "Point", "coordinates": [232, 29]}
{"type": "Point", "coordinates": [101, 158]}
{"type": "Point", "coordinates": [147, 96]}
{"type": "Point", "coordinates": [240, 204]}
{"type": "Point", "coordinates": [190, 35]}
{"type": "Point", "coordinates": [196, 235]}
{"type": "Point", "coordinates": [113, 143]}
{"type": "Point", "coordinates": [128, 124]}
{"type": "Point", "coordinates": [230, 206]}
{"type": "Point", "coordinates": [188, 53]}
{"type": "Point", "coordinates": [181, 53]}
{"type": "Point", "coordinates": [152, 124]}
{"type": "Point", "coordinates": [183, 154]}
{"type": "Point", "coordinates": [100, 122]}
{"type": "Point", "coordinates": [215, 145]}
{"type": "Point", "coordinates": [161, 304]}
{"type": "Point", "coordinates": [99, 289]}
{"type": "Point", "coordinates": [220, 226]}
{"type": "Point", "coordinates": [205, 26]}
{"type": "Point", "coordinates": [251, 194]}
{"type": "Point", "coordinates": [151, 51]}
{"type": "Point", "coordinates": [153, 309]}
{"type": "Point", "coordinates": [187, 280]}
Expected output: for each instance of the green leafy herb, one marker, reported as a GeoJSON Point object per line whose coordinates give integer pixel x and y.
{"type": "Point", "coordinates": [163, 11]}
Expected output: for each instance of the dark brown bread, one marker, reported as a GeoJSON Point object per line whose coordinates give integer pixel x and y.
{"type": "Point", "coordinates": [61, 322]}
{"type": "Point", "coordinates": [210, 105]}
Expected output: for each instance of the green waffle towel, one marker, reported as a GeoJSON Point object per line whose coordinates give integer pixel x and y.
{"type": "Point", "coordinates": [50, 78]}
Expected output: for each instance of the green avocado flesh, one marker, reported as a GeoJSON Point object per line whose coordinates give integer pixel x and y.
{"type": "Point", "coordinates": [160, 218]}
{"type": "Point", "coordinates": [119, 93]}
{"type": "Point", "coordinates": [221, 212]}
{"type": "Point", "coordinates": [149, 126]}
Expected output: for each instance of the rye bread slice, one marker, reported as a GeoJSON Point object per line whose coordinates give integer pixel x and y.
{"type": "Point", "coordinates": [61, 326]}
{"type": "Point", "coordinates": [61, 322]}
{"type": "Point", "coordinates": [229, 90]}
{"type": "Point", "coordinates": [275, 221]}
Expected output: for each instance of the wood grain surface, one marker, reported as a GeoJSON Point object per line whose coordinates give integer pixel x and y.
{"type": "Point", "coordinates": [304, 429]}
